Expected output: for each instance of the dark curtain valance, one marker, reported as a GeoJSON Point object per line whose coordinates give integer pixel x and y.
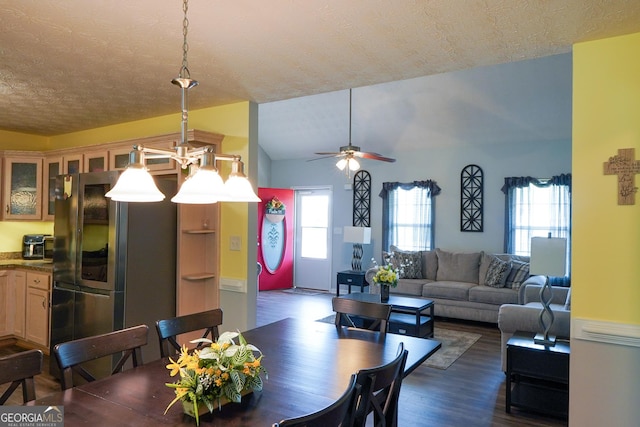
{"type": "Point", "coordinates": [524, 181]}
{"type": "Point", "coordinates": [389, 186]}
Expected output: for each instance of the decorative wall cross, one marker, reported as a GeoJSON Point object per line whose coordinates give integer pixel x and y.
{"type": "Point", "coordinates": [626, 167]}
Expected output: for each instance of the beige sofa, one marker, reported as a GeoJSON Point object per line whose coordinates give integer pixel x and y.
{"type": "Point", "coordinates": [463, 285]}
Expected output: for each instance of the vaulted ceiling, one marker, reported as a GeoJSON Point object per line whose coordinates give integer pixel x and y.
{"type": "Point", "coordinates": [69, 65]}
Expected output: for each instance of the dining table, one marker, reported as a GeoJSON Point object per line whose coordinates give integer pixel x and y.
{"type": "Point", "coordinates": [308, 365]}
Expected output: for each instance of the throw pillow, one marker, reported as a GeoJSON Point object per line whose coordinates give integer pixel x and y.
{"type": "Point", "coordinates": [519, 273]}
{"type": "Point", "coordinates": [497, 273]}
{"type": "Point", "coordinates": [407, 262]}
{"type": "Point", "coordinates": [458, 267]}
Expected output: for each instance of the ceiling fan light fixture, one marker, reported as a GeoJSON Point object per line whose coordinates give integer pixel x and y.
{"type": "Point", "coordinates": [354, 165]}
{"type": "Point", "coordinates": [342, 163]}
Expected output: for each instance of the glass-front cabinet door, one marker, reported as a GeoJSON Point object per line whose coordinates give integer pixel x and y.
{"type": "Point", "coordinates": [52, 168]}
{"type": "Point", "coordinates": [22, 192]}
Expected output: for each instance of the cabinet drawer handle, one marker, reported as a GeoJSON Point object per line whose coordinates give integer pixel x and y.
{"type": "Point", "coordinates": [36, 280]}
{"type": "Point", "coordinates": [44, 304]}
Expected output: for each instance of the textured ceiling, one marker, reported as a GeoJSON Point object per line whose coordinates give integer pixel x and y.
{"type": "Point", "coordinates": [69, 65]}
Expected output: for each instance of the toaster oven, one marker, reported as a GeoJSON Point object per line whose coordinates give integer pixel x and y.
{"type": "Point", "coordinates": [37, 246]}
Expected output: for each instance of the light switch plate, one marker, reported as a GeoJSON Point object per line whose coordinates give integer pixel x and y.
{"type": "Point", "coordinates": [235, 243]}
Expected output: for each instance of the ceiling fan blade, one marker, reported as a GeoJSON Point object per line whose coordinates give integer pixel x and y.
{"type": "Point", "coordinates": [329, 153]}
{"type": "Point", "coordinates": [373, 156]}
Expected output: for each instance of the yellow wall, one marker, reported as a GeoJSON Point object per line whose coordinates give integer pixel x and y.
{"type": "Point", "coordinates": [22, 141]}
{"type": "Point", "coordinates": [230, 120]}
{"type": "Point", "coordinates": [606, 236]}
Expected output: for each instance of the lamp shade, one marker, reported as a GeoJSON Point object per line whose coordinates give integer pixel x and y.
{"type": "Point", "coordinates": [548, 256]}
{"type": "Point", "coordinates": [360, 235]}
{"type": "Point", "coordinates": [204, 186]}
{"type": "Point", "coordinates": [135, 184]}
{"type": "Point", "coordinates": [239, 190]}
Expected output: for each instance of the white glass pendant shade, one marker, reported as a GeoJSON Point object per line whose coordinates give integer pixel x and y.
{"type": "Point", "coordinates": [135, 184]}
{"type": "Point", "coordinates": [204, 186]}
{"type": "Point", "coordinates": [354, 165]}
{"type": "Point", "coordinates": [342, 163]}
{"type": "Point", "coordinates": [239, 190]}
{"type": "Point", "coordinates": [238, 187]}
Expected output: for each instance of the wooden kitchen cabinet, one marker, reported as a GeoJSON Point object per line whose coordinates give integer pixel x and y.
{"type": "Point", "coordinates": [22, 189]}
{"type": "Point", "coordinates": [96, 161]}
{"type": "Point", "coordinates": [19, 307]}
{"type": "Point", "coordinates": [52, 168]}
{"type": "Point", "coordinates": [72, 163]}
{"type": "Point", "coordinates": [5, 319]}
{"type": "Point", "coordinates": [37, 311]}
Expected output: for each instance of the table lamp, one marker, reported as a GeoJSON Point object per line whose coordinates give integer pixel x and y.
{"type": "Point", "coordinates": [548, 258]}
{"type": "Point", "coordinates": [358, 236]}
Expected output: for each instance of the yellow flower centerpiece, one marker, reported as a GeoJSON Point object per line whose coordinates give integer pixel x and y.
{"type": "Point", "coordinates": [386, 276]}
{"type": "Point", "coordinates": [220, 372]}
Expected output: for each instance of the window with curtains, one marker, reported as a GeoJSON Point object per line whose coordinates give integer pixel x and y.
{"type": "Point", "coordinates": [534, 208]}
{"type": "Point", "coordinates": [408, 215]}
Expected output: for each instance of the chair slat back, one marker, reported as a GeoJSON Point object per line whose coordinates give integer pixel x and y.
{"type": "Point", "coordinates": [19, 369]}
{"type": "Point", "coordinates": [345, 308]}
{"type": "Point", "coordinates": [169, 329]}
{"type": "Point", "coordinates": [338, 414]}
{"type": "Point", "coordinates": [380, 392]}
{"type": "Point", "coordinates": [70, 355]}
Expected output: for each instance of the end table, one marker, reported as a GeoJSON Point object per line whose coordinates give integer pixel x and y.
{"type": "Point", "coordinates": [537, 375]}
{"type": "Point", "coordinates": [349, 278]}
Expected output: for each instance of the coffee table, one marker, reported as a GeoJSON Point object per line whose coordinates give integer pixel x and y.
{"type": "Point", "coordinates": [407, 317]}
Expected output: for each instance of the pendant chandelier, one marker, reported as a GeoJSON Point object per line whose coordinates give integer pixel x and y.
{"type": "Point", "coordinates": [204, 184]}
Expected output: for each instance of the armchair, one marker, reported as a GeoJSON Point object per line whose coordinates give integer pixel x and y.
{"type": "Point", "coordinates": [524, 316]}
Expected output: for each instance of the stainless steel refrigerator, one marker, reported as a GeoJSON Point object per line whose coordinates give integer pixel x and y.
{"type": "Point", "coordinates": [114, 263]}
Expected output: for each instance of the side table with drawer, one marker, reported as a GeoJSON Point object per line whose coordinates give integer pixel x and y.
{"type": "Point", "coordinates": [537, 375]}
{"type": "Point", "coordinates": [351, 278]}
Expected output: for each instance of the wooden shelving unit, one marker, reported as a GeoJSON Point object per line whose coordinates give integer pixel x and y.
{"type": "Point", "coordinates": [198, 249]}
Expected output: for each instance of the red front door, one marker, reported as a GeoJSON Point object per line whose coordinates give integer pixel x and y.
{"type": "Point", "coordinates": [275, 238]}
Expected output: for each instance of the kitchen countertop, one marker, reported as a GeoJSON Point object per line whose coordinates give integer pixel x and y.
{"type": "Point", "coordinates": [36, 265]}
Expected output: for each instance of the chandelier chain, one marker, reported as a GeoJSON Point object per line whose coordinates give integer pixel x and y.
{"type": "Point", "coordinates": [184, 71]}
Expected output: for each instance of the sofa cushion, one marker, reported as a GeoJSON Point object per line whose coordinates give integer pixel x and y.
{"type": "Point", "coordinates": [409, 263]}
{"type": "Point", "coordinates": [458, 267]}
{"type": "Point", "coordinates": [447, 290]}
{"type": "Point", "coordinates": [497, 273]}
{"type": "Point", "coordinates": [409, 287]}
{"type": "Point", "coordinates": [489, 295]}
{"type": "Point", "coordinates": [429, 264]}
{"type": "Point", "coordinates": [519, 273]}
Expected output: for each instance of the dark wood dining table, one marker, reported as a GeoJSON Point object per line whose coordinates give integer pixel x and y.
{"type": "Point", "coordinates": [309, 365]}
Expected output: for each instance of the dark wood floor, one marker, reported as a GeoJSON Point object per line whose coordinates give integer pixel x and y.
{"type": "Point", "coordinates": [471, 392]}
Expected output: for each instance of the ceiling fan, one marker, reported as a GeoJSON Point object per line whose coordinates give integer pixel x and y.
{"type": "Point", "coordinates": [349, 153]}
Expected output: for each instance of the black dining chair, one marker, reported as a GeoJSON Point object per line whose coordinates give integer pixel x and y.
{"type": "Point", "coordinates": [380, 392]}
{"type": "Point", "coordinates": [71, 355]}
{"type": "Point", "coordinates": [19, 369]}
{"type": "Point", "coordinates": [169, 329]}
{"type": "Point", "coordinates": [368, 315]}
{"type": "Point", "coordinates": [338, 414]}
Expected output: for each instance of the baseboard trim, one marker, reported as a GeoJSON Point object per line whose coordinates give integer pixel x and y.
{"type": "Point", "coordinates": [605, 332]}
